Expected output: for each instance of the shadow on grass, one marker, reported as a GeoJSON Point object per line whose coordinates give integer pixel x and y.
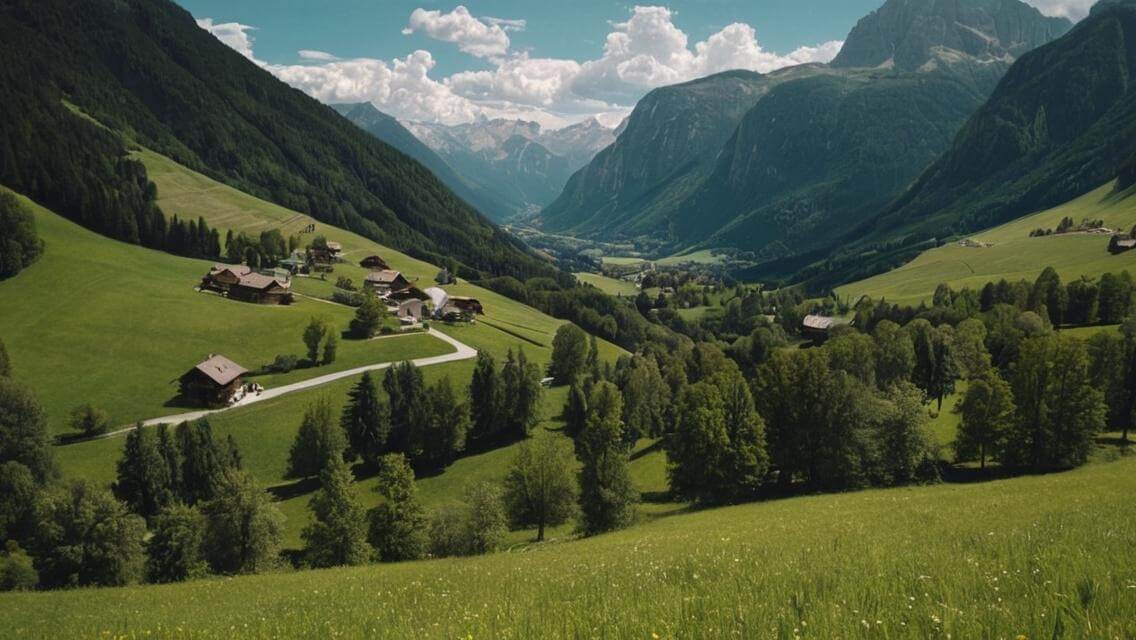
{"type": "Point", "coordinates": [294, 489]}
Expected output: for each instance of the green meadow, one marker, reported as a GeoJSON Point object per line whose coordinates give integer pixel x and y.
{"type": "Point", "coordinates": [608, 285]}
{"type": "Point", "coordinates": [1013, 254]}
{"type": "Point", "coordinates": [987, 560]}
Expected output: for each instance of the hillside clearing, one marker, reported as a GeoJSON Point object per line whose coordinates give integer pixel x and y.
{"type": "Point", "coordinates": [608, 285]}
{"type": "Point", "coordinates": [961, 561]}
{"type": "Point", "coordinates": [1013, 254]}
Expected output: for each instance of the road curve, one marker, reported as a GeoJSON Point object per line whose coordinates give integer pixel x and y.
{"type": "Point", "coordinates": [462, 352]}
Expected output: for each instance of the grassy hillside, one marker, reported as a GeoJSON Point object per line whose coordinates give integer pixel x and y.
{"type": "Point", "coordinates": [166, 324]}
{"type": "Point", "coordinates": [609, 285]}
{"type": "Point", "coordinates": [1014, 255]}
{"type": "Point", "coordinates": [101, 321]}
{"type": "Point", "coordinates": [961, 561]}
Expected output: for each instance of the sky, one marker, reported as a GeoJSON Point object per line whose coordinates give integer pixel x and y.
{"type": "Point", "coordinates": [551, 62]}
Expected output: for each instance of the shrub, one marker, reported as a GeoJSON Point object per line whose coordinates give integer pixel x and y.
{"type": "Point", "coordinates": [89, 420]}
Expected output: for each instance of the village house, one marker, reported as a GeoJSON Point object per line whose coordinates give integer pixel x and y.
{"type": "Point", "coordinates": [375, 263]}
{"type": "Point", "coordinates": [214, 382]}
{"type": "Point", "coordinates": [334, 248]}
{"type": "Point", "coordinates": [818, 327]}
{"type": "Point", "coordinates": [1121, 243]}
{"type": "Point", "coordinates": [409, 311]}
{"type": "Point", "coordinates": [385, 281]}
{"type": "Point", "coordinates": [241, 282]}
{"type": "Point", "coordinates": [469, 305]}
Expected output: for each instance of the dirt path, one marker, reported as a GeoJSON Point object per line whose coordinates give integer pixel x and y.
{"type": "Point", "coordinates": [462, 352]}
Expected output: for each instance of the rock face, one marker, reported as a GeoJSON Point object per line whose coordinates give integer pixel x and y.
{"type": "Point", "coordinates": [785, 162]}
{"type": "Point", "coordinates": [908, 34]}
{"type": "Point", "coordinates": [521, 165]}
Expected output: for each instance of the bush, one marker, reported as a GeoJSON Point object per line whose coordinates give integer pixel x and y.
{"type": "Point", "coordinates": [283, 364]}
{"type": "Point", "coordinates": [16, 570]}
{"type": "Point", "coordinates": [349, 298]}
{"type": "Point", "coordinates": [345, 283]}
{"type": "Point", "coordinates": [89, 420]}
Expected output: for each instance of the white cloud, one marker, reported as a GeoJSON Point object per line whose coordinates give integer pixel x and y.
{"type": "Point", "coordinates": [1073, 9]}
{"type": "Point", "coordinates": [322, 56]}
{"type": "Point", "coordinates": [645, 52]}
{"type": "Point", "coordinates": [477, 38]}
{"type": "Point", "coordinates": [234, 34]}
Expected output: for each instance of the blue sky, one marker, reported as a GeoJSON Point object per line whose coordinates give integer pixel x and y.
{"type": "Point", "coordinates": [553, 62]}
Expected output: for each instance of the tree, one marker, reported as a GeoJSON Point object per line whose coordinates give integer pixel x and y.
{"type": "Point", "coordinates": [330, 347]}
{"type": "Point", "coordinates": [319, 439]}
{"type": "Point", "coordinates": [645, 400]}
{"type": "Point", "coordinates": [487, 520]}
{"type": "Point", "coordinates": [944, 370]}
{"type": "Point", "coordinates": [397, 527]}
{"type": "Point", "coordinates": [409, 409]}
{"type": "Point", "coordinates": [520, 389]}
{"type": "Point", "coordinates": [23, 431]}
{"type": "Point", "coordinates": [607, 495]}
{"type": "Point", "coordinates": [1058, 410]}
{"type": "Point", "coordinates": [485, 403]}
{"type": "Point", "coordinates": [903, 442]}
{"type": "Point", "coordinates": [969, 348]}
{"type": "Point", "coordinates": [895, 354]}
{"type": "Point", "coordinates": [143, 481]}
{"type": "Point", "coordinates": [338, 533]}
{"type": "Point", "coordinates": [575, 410]}
{"type": "Point", "coordinates": [17, 508]}
{"type": "Point", "coordinates": [855, 353]}
{"type": "Point", "coordinates": [369, 317]}
{"type": "Point", "coordinates": [1113, 298]}
{"type": "Point", "coordinates": [717, 451]}
{"type": "Point", "coordinates": [313, 337]}
{"type": "Point", "coordinates": [85, 537]}
{"type": "Point", "coordinates": [1049, 293]}
{"type": "Point", "coordinates": [987, 414]}
{"type": "Point", "coordinates": [243, 528]}
{"type": "Point", "coordinates": [89, 420]}
{"type": "Point", "coordinates": [1082, 295]}
{"type": "Point", "coordinates": [17, 569]}
{"type": "Point", "coordinates": [540, 489]}
{"type": "Point", "coordinates": [569, 353]}
{"type": "Point", "coordinates": [20, 245]}
{"type": "Point", "coordinates": [366, 419]}
{"type": "Point", "coordinates": [202, 461]}
{"type": "Point", "coordinates": [5, 362]}
{"type": "Point", "coordinates": [447, 424]}
{"type": "Point", "coordinates": [175, 551]}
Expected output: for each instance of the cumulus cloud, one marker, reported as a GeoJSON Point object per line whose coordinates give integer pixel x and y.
{"type": "Point", "coordinates": [1073, 9]}
{"type": "Point", "coordinates": [473, 36]}
{"type": "Point", "coordinates": [234, 34]}
{"type": "Point", "coordinates": [646, 51]}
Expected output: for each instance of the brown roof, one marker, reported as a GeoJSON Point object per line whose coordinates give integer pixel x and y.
{"type": "Point", "coordinates": [221, 370]}
{"type": "Point", "coordinates": [386, 276]}
{"type": "Point", "coordinates": [260, 281]}
{"type": "Point", "coordinates": [237, 270]}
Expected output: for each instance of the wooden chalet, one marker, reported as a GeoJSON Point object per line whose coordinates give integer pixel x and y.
{"type": "Point", "coordinates": [375, 263]}
{"type": "Point", "coordinates": [214, 382]}
{"type": "Point", "coordinates": [334, 248]}
{"type": "Point", "coordinates": [1121, 243]}
{"type": "Point", "coordinates": [241, 282]}
{"type": "Point", "coordinates": [385, 281]}
{"type": "Point", "coordinates": [410, 293]}
{"type": "Point", "coordinates": [817, 327]}
{"type": "Point", "coordinates": [470, 305]}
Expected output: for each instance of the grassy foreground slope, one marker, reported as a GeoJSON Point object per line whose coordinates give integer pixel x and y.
{"type": "Point", "coordinates": [1014, 255]}
{"type": "Point", "coordinates": [110, 323]}
{"type": "Point", "coordinates": [961, 561]}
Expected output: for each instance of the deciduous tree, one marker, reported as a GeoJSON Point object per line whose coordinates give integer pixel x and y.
{"type": "Point", "coordinates": [540, 489]}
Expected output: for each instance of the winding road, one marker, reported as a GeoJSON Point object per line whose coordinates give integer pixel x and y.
{"type": "Point", "coordinates": [462, 352]}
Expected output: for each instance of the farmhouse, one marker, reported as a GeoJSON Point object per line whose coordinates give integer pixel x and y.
{"type": "Point", "coordinates": [1121, 243]}
{"type": "Point", "coordinates": [410, 310]}
{"type": "Point", "coordinates": [262, 289]}
{"type": "Point", "coordinates": [410, 293]}
{"type": "Point", "coordinates": [817, 327]}
{"type": "Point", "coordinates": [469, 305]}
{"type": "Point", "coordinates": [375, 263]}
{"type": "Point", "coordinates": [385, 281]}
{"type": "Point", "coordinates": [438, 297]}
{"type": "Point", "coordinates": [223, 276]}
{"type": "Point", "coordinates": [214, 382]}
{"type": "Point", "coordinates": [334, 248]}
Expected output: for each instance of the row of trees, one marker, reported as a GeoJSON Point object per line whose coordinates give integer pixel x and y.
{"type": "Point", "coordinates": [191, 238]}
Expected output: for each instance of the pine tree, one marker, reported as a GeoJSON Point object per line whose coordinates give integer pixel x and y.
{"type": "Point", "coordinates": [485, 403]}
{"type": "Point", "coordinates": [520, 382]}
{"type": "Point", "coordinates": [320, 439]}
{"type": "Point", "coordinates": [330, 348]}
{"type": "Point", "coordinates": [409, 409]}
{"type": "Point", "coordinates": [607, 495]}
{"type": "Point", "coordinates": [446, 428]}
{"type": "Point", "coordinates": [338, 534]}
{"type": "Point", "coordinates": [575, 410]}
{"type": "Point", "coordinates": [367, 421]}
{"type": "Point", "coordinates": [243, 527]}
{"type": "Point", "coordinates": [143, 477]}
{"type": "Point", "coordinates": [397, 528]}
{"type": "Point", "coordinates": [203, 461]}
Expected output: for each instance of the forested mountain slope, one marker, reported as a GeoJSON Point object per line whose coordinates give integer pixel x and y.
{"type": "Point", "coordinates": [144, 67]}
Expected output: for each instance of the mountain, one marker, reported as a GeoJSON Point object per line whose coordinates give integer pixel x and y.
{"type": "Point", "coordinates": [520, 164]}
{"type": "Point", "coordinates": [388, 129]}
{"type": "Point", "coordinates": [1061, 123]}
{"type": "Point", "coordinates": [907, 34]}
{"type": "Point", "coordinates": [667, 147]}
{"type": "Point", "coordinates": [74, 75]}
{"type": "Point", "coordinates": [781, 163]}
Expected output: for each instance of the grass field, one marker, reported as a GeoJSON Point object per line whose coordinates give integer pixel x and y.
{"type": "Point", "coordinates": [608, 285]}
{"type": "Point", "coordinates": [1014, 255]}
{"type": "Point", "coordinates": [703, 256]}
{"type": "Point", "coordinates": [986, 560]}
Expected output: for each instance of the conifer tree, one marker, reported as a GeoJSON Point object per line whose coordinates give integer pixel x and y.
{"type": "Point", "coordinates": [366, 419]}
{"type": "Point", "coordinates": [485, 395]}
{"type": "Point", "coordinates": [607, 495]}
{"type": "Point", "coordinates": [338, 534]}
{"type": "Point", "coordinates": [397, 528]}
{"type": "Point", "coordinates": [319, 439]}
{"type": "Point", "coordinates": [143, 477]}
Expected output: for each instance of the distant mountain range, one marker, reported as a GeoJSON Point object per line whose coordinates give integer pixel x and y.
{"type": "Point", "coordinates": [502, 167]}
{"type": "Point", "coordinates": [784, 163]}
